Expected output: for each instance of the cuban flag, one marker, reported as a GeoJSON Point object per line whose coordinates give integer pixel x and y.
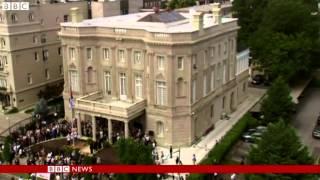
{"type": "Point", "coordinates": [71, 100]}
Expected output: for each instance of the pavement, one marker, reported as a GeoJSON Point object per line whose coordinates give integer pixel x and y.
{"type": "Point", "coordinates": [306, 117]}
{"type": "Point", "coordinates": [202, 148]}
{"type": "Point", "coordinates": [12, 119]}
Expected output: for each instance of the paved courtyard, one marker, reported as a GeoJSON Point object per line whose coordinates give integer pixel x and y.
{"type": "Point", "coordinates": [11, 121]}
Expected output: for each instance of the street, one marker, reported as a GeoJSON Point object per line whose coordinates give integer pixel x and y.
{"type": "Point", "coordinates": [306, 117]}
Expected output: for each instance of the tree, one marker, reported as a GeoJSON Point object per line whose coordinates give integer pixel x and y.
{"type": "Point", "coordinates": [7, 154]}
{"type": "Point", "coordinates": [174, 4]}
{"type": "Point", "coordinates": [280, 145]}
{"type": "Point", "coordinates": [286, 41]}
{"type": "Point", "coordinates": [278, 103]}
{"type": "Point", "coordinates": [131, 152]}
{"type": "Point", "coordinates": [41, 108]}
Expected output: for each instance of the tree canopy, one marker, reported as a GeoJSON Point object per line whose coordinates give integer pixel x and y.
{"type": "Point", "coordinates": [280, 145]}
{"type": "Point", "coordinates": [174, 4]}
{"type": "Point", "coordinates": [131, 152]}
{"type": "Point", "coordinates": [283, 35]}
{"type": "Point", "coordinates": [41, 108]}
{"type": "Point", "coordinates": [278, 103]}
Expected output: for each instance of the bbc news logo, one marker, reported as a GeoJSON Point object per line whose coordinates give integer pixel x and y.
{"type": "Point", "coordinates": [68, 169]}
{"type": "Point", "coordinates": [15, 6]}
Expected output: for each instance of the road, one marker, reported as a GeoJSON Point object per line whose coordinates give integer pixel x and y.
{"type": "Point", "coordinates": [306, 117]}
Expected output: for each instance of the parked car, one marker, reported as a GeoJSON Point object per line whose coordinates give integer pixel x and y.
{"type": "Point", "coordinates": [316, 132]}
{"type": "Point", "coordinates": [258, 79]}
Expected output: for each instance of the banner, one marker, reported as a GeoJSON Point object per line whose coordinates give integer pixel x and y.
{"type": "Point", "coordinates": [160, 169]}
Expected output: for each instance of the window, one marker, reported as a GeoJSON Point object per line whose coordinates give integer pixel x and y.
{"type": "Point", "coordinates": [74, 81]}
{"type": "Point", "coordinates": [47, 73]}
{"type": "Point", "coordinates": [58, 20]}
{"type": "Point", "coordinates": [194, 62]}
{"type": "Point", "coordinates": [224, 72]}
{"type": "Point", "coordinates": [1, 18]}
{"type": "Point", "coordinates": [3, 83]}
{"type": "Point", "coordinates": [29, 78]}
{"type": "Point", "coordinates": [213, 49]}
{"type": "Point", "coordinates": [41, 21]}
{"type": "Point", "coordinates": [31, 17]}
{"type": "Point", "coordinates": [43, 38]}
{"type": "Point", "coordinates": [61, 70]}
{"type": "Point", "coordinates": [123, 85]}
{"type": "Point", "coordinates": [204, 84]}
{"type": "Point", "coordinates": [160, 61]}
{"type": "Point", "coordinates": [59, 51]}
{"type": "Point", "coordinates": [225, 47]}
{"type": "Point", "coordinates": [194, 86]}
{"type": "Point", "coordinates": [65, 18]}
{"type": "Point", "coordinates": [3, 43]}
{"type": "Point", "coordinates": [72, 53]}
{"type": "Point", "coordinates": [107, 82]}
{"type": "Point", "coordinates": [137, 57]}
{"type": "Point", "coordinates": [90, 75]}
{"type": "Point", "coordinates": [219, 50]}
{"type": "Point", "coordinates": [138, 86]}
{"type": "Point", "coordinates": [106, 54]}
{"type": "Point", "coordinates": [45, 54]}
{"type": "Point", "coordinates": [180, 63]}
{"type": "Point", "coordinates": [223, 102]}
{"type": "Point", "coordinates": [211, 111]}
{"type": "Point", "coordinates": [180, 88]}
{"type": "Point", "coordinates": [14, 18]}
{"type": "Point", "coordinates": [161, 98]}
{"type": "Point", "coordinates": [205, 58]}
{"type": "Point", "coordinates": [244, 86]}
{"type": "Point", "coordinates": [89, 53]}
{"type": "Point", "coordinates": [121, 56]}
{"type": "Point", "coordinates": [160, 129]}
{"type": "Point", "coordinates": [35, 39]}
{"type": "Point", "coordinates": [36, 56]}
{"type": "Point", "coordinates": [1, 64]}
{"type": "Point", "coordinates": [3, 60]}
{"type": "Point", "coordinates": [212, 80]}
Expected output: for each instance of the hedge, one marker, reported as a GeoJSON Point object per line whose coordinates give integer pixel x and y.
{"type": "Point", "coordinates": [13, 110]}
{"type": "Point", "coordinates": [220, 150]}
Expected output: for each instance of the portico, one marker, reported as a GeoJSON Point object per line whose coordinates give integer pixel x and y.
{"type": "Point", "coordinates": [96, 106]}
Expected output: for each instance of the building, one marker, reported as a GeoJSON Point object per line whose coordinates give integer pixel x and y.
{"type": "Point", "coordinates": [105, 8]}
{"type": "Point", "coordinates": [171, 74]}
{"type": "Point", "coordinates": [30, 51]}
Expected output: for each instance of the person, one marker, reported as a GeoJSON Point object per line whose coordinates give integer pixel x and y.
{"type": "Point", "coordinates": [170, 152]}
{"type": "Point", "coordinates": [194, 160]}
{"type": "Point", "coordinates": [162, 157]}
{"type": "Point", "coordinates": [177, 160]}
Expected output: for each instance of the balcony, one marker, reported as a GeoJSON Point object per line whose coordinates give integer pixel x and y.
{"type": "Point", "coordinates": [96, 103]}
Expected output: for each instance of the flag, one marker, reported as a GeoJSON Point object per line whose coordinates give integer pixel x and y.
{"type": "Point", "coordinates": [71, 100]}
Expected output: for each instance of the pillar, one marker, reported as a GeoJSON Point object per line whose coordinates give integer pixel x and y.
{"type": "Point", "coordinates": [94, 128]}
{"type": "Point", "coordinates": [79, 124]}
{"type": "Point", "coordinates": [126, 130]}
{"type": "Point", "coordinates": [110, 130]}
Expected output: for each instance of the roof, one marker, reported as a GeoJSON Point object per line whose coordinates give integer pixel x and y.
{"type": "Point", "coordinates": [164, 22]}
{"type": "Point", "coordinates": [164, 17]}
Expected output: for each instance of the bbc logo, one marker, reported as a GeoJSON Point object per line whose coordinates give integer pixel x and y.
{"type": "Point", "coordinates": [58, 169]}
{"type": "Point", "coordinates": [15, 6]}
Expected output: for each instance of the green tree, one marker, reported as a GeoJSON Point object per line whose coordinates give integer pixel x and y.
{"type": "Point", "coordinates": [7, 154]}
{"type": "Point", "coordinates": [174, 4]}
{"type": "Point", "coordinates": [41, 108]}
{"type": "Point", "coordinates": [286, 41]}
{"type": "Point", "coordinates": [278, 103]}
{"type": "Point", "coordinates": [280, 145]}
{"type": "Point", "coordinates": [131, 152]}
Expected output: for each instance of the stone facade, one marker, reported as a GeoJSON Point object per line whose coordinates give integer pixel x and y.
{"type": "Point", "coordinates": [179, 75]}
{"type": "Point", "coordinates": [31, 55]}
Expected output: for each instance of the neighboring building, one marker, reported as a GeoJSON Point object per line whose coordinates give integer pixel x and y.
{"type": "Point", "coordinates": [226, 8]}
{"type": "Point", "coordinates": [105, 8]}
{"type": "Point", "coordinates": [171, 74]}
{"type": "Point", "coordinates": [30, 51]}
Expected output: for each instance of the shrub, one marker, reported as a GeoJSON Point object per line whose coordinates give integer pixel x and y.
{"type": "Point", "coordinates": [13, 110]}
{"type": "Point", "coordinates": [29, 111]}
{"type": "Point", "coordinates": [220, 150]}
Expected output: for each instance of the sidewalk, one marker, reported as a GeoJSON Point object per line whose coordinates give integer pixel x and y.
{"type": "Point", "coordinates": [202, 148]}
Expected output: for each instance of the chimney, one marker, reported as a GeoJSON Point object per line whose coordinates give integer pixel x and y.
{"type": "Point", "coordinates": [76, 15]}
{"type": "Point", "coordinates": [196, 19]}
{"type": "Point", "coordinates": [216, 13]}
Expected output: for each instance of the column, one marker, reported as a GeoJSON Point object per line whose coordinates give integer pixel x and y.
{"type": "Point", "coordinates": [94, 128]}
{"type": "Point", "coordinates": [151, 83]}
{"type": "Point", "coordinates": [79, 124]}
{"type": "Point", "coordinates": [126, 129]}
{"type": "Point", "coordinates": [129, 75]}
{"type": "Point", "coordinates": [110, 130]}
{"type": "Point", "coordinates": [114, 80]}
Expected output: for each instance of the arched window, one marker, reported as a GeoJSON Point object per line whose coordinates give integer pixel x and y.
{"type": "Point", "coordinates": [90, 75]}
{"type": "Point", "coordinates": [160, 129]}
{"type": "Point", "coordinates": [3, 43]}
{"type": "Point", "coordinates": [180, 88]}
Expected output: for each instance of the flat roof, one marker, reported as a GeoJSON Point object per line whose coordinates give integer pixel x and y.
{"type": "Point", "coordinates": [133, 21]}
